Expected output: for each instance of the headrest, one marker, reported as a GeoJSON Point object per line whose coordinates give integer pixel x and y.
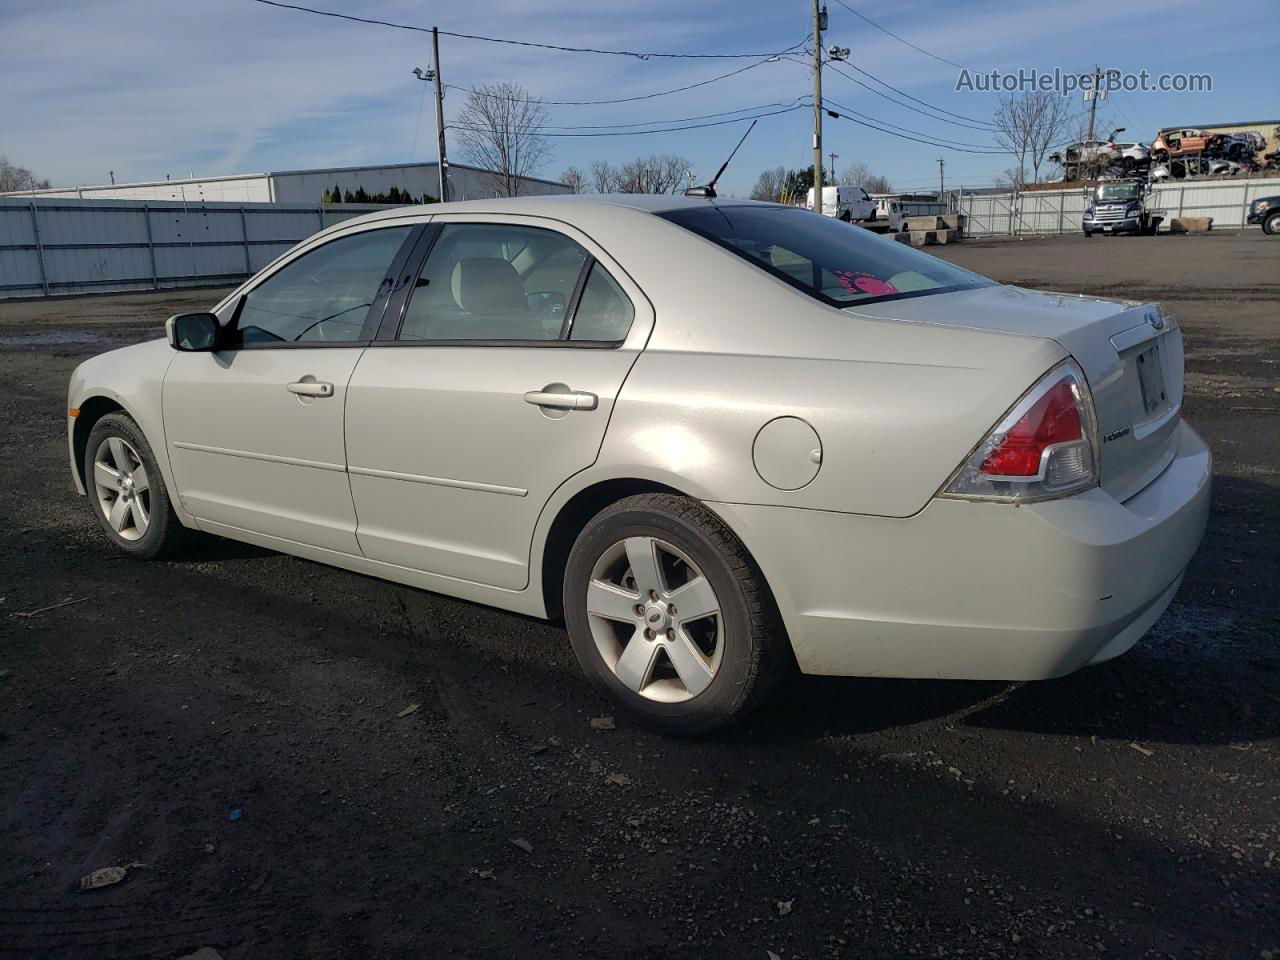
{"type": "Point", "coordinates": [488, 285]}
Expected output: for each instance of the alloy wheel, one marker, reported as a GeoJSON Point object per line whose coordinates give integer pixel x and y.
{"type": "Point", "coordinates": [655, 619]}
{"type": "Point", "coordinates": [122, 488]}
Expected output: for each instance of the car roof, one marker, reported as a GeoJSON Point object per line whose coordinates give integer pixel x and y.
{"type": "Point", "coordinates": [562, 205]}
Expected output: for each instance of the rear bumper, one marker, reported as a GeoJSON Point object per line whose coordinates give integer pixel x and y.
{"type": "Point", "coordinates": [974, 590]}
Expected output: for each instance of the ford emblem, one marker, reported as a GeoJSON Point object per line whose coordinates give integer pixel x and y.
{"type": "Point", "coordinates": [1156, 321]}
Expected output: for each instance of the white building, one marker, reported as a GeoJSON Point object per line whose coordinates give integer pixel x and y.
{"type": "Point", "coordinates": [308, 187]}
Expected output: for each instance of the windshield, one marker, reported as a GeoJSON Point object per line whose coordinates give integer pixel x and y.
{"type": "Point", "coordinates": [831, 261]}
{"type": "Point", "coordinates": [1119, 191]}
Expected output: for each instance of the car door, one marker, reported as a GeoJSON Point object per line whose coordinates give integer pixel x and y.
{"type": "Point", "coordinates": [488, 388]}
{"type": "Point", "coordinates": [255, 430]}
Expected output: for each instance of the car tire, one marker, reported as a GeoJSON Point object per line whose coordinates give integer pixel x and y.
{"type": "Point", "coordinates": [1088, 233]}
{"type": "Point", "coordinates": [127, 492]}
{"type": "Point", "coordinates": [689, 676]}
{"type": "Point", "coordinates": [1271, 225]}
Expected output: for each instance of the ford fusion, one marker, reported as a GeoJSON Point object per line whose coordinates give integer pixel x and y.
{"type": "Point", "coordinates": [716, 439]}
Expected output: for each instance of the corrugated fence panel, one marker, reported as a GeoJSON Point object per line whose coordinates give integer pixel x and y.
{"type": "Point", "coordinates": [95, 246]}
{"type": "Point", "coordinates": [1062, 211]}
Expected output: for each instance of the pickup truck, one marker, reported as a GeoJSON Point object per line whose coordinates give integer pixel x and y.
{"type": "Point", "coordinates": [847, 203]}
{"type": "Point", "coordinates": [894, 211]}
{"type": "Point", "coordinates": [1266, 211]}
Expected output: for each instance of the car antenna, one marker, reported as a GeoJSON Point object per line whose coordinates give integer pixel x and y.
{"type": "Point", "coordinates": [709, 191]}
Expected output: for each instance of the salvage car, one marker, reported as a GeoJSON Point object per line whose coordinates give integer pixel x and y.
{"type": "Point", "coordinates": [718, 439]}
{"type": "Point", "coordinates": [1087, 155]}
{"type": "Point", "coordinates": [1175, 142]}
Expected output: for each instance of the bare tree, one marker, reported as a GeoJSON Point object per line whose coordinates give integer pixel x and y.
{"type": "Point", "coordinates": [575, 179]}
{"type": "Point", "coordinates": [1047, 123]}
{"type": "Point", "coordinates": [860, 175]}
{"type": "Point", "coordinates": [657, 173]}
{"type": "Point", "coordinates": [769, 184]}
{"type": "Point", "coordinates": [1029, 125]}
{"type": "Point", "coordinates": [498, 128]}
{"type": "Point", "coordinates": [14, 178]}
{"type": "Point", "coordinates": [603, 177]}
{"type": "Point", "coordinates": [1010, 180]}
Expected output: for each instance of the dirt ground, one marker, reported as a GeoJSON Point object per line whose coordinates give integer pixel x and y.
{"type": "Point", "coordinates": [233, 722]}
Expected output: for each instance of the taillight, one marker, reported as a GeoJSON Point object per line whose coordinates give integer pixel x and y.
{"type": "Point", "coordinates": [1044, 447]}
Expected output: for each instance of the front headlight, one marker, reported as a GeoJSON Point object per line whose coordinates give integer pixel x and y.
{"type": "Point", "coordinates": [1045, 446]}
{"type": "Point", "coordinates": [1088, 212]}
{"type": "Point", "coordinates": [1260, 204]}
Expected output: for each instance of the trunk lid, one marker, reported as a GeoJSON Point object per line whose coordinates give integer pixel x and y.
{"type": "Point", "coordinates": [1130, 352]}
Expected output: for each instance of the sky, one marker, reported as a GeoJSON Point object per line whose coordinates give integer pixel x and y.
{"type": "Point", "coordinates": [149, 88]}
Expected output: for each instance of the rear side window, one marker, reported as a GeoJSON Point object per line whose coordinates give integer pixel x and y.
{"type": "Point", "coordinates": [494, 282]}
{"type": "Point", "coordinates": [604, 313]}
{"type": "Point", "coordinates": [831, 261]}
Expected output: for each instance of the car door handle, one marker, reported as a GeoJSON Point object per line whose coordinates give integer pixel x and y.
{"type": "Point", "coordinates": [567, 400]}
{"type": "Point", "coordinates": [311, 388]}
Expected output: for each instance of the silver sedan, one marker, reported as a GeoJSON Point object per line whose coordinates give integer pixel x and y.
{"type": "Point", "coordinates": [717, 439]}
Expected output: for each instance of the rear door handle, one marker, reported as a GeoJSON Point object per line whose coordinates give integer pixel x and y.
{"type": "Point", "coordinates": [567, 400]}
{"type": "Point", "coordinates": [311, 388]}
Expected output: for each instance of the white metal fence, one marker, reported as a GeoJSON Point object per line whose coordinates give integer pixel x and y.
{"type": "Point", "coordinates": [1061, 211]}
{"type": "Point", "coordinates": [62, 246]}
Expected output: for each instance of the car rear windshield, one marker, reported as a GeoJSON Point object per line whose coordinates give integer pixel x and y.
{"type": "Point", "coordinates": [834, 262]}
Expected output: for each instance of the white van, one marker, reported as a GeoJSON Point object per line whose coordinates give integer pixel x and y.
{"type": "Point", "coordinates": [848, 203]}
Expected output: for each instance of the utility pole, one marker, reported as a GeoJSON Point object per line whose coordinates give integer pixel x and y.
{"type": "Point", "coordinates": [444, 162]}
{"type": "Point", "coordinates": [942, 183]}
{"type": "Point", "coordinates": [833, 157]}
{"type": "Point", "coordinates": [1093, 98]}
{"type": "Point", "coordinates": [819, 15]}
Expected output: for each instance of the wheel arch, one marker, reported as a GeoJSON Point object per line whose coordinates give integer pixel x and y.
{"type": "Point", "coordinates": [570, 519]}
{"type": "Point", "coordinates": [92, 409]}
{"type": "Point", "coordinates": [571, 509]}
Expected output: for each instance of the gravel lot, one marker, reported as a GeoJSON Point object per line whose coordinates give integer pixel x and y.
{"type": "Point", "coordinates": [233, 721]}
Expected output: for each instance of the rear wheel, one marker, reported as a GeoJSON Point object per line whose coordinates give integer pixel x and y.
{"type": "Point", "coordinates": [126, 491]}
{"type": "Point", "coordinates": [670, 616]}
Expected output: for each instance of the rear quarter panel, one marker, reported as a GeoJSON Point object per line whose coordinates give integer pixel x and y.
{"type": "Point", "coordinates": [897, 405]}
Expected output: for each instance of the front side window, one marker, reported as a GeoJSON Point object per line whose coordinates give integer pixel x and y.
{"type": "Point", "coordinates": [323, 296]}
{"type": "Point", "coordinates": [494, 282]}
{"type": "Point", "coordinates": [830, 261]}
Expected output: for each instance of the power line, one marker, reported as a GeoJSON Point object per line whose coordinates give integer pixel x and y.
{"type": "Point", "coordinates": [924, 103]}
{"type": "Point", "coordinates": [648, 123]}
{"type": "Point", "coordinates": [636, 133]}
{"type": "Point", "coordinates": [886, 30]}
{"type": "Point", "coordinates": [986, 128]}
{"type": "Point", "coordinates": [647, 96]}
{"type": "Point", "coordinates": [929, 143]}
{"type": "Point", "coordinates": [904, 129]}
{"type": "Point", "coordinates": [518, 43]}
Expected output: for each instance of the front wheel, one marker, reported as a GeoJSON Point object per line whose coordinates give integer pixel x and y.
{"type": "Point", "coordinates": [126, 490]}
{"type": "Point", "coordinates": [1271, 225]}
{"type": "Point", "coordinates": [669, 615]}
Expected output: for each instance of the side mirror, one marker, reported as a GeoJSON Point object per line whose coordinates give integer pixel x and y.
{"type": "Point", "coordinates": [193, 332]}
